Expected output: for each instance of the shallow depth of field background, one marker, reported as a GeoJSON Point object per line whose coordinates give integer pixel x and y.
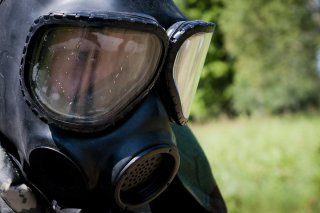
{"type": "Point", "coordinates": [267, 164]}
{"type": "Point", "coordinates": [257, 108]}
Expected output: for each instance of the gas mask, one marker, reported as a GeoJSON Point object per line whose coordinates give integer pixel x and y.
{"type": "Point", "coordinates": [88, 92]}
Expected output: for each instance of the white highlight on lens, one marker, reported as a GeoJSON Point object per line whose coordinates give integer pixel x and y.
{"type": "Point", "coordinates": [55, 96]}
{"type": "Point", "coordinates": [35, 71]}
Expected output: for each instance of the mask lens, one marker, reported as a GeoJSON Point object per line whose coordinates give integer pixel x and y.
{"type": "Point", "coordinates": [188, 66]}
{"type": "Point", "coordinates": [84, 73]}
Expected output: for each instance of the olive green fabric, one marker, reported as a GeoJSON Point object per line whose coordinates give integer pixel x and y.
{"type": "Point", "coordinates": [195, 172]}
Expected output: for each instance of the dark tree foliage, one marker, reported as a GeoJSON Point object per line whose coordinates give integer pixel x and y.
{"type": "Point", "coordinates": [274, 43]}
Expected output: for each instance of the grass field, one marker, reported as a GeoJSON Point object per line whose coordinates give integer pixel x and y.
{"type": "Point", "coordinates": [265, 164]}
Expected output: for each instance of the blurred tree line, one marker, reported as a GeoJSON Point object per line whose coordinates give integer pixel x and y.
{"type": "Point", "coordinates": [262, 59]}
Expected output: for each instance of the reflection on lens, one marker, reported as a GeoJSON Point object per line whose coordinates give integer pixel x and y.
{"type": "Point", "coordinates": [87, 72]}
{"type": "Point", "coordinates": [188, 66]}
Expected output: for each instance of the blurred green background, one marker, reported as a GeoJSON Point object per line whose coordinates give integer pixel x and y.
{"type": "Point", "coordinates": [257, 108]}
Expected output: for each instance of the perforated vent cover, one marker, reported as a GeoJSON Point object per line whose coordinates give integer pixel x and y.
{"type": "Point", "coordinates": [146, 176]}
{"type": "Point", "coordinates": [140, 172]}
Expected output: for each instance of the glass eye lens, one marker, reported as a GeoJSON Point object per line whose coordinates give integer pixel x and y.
{"type": "Point", "coordinates": [84, 73]}
{"type": "Point", "coordinates": [188, 66]}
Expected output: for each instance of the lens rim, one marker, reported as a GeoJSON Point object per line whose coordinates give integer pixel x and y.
{"type": "Point", "coordinates": [178, 34]}
{"type": "Point", "coordinates": [130, 21]}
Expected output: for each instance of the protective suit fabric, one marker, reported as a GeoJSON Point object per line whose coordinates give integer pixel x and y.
{"type": "Point", "coordinates": [195, 171]}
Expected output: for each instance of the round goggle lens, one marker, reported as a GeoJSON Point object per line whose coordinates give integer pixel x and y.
{"type": "Point", "coordinates": [84, 73]}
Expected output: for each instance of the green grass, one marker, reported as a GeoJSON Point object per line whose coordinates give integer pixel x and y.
{"type": "Point", "coordinates": [266, 164]}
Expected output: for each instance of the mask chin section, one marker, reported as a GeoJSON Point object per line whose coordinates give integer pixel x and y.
{"type": "Point", "coordinates": [56, 176]}
{"type": "Point", "coordinates": [146, 176]}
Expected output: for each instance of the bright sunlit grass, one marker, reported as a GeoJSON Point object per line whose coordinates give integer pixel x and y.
{"type": "Point", "coordinates": [265, 164]}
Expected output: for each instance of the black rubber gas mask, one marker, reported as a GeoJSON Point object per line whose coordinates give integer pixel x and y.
{"type": "Point", "coordinates": [88, 93]}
